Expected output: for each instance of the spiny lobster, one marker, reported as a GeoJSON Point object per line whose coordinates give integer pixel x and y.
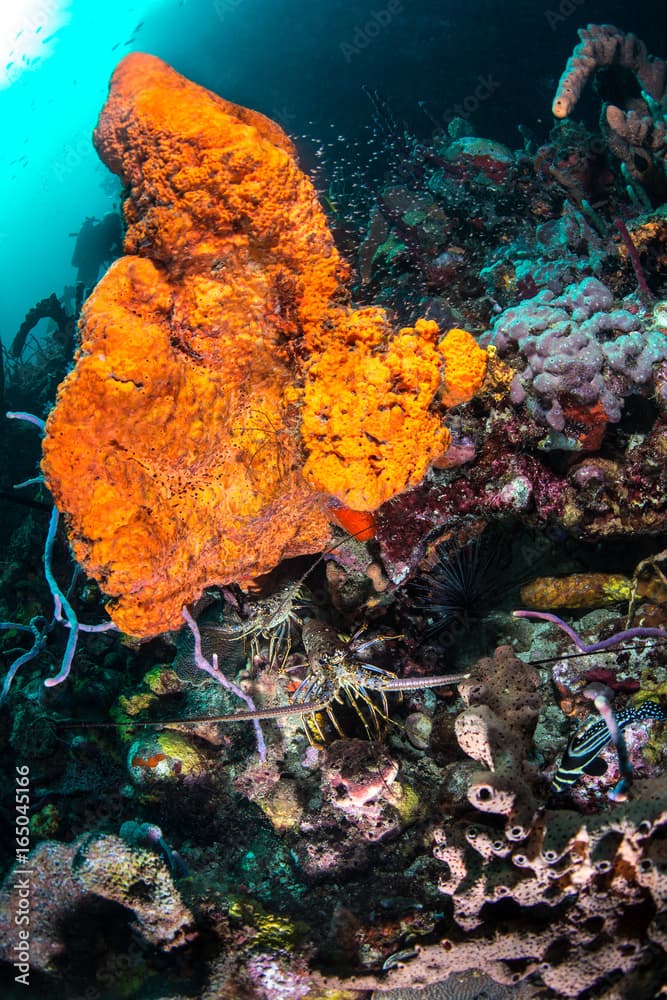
{"type": "Point", "coordinates": [335, 674]}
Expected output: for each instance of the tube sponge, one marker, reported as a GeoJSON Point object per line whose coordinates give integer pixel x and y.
{"type": "Point", "coordinates": [604, 45]}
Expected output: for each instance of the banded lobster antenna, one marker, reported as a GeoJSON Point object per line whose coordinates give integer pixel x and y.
{"type": "Point", "coordinates": [243, 715]}
{"type": "Point", "coordinates": [416, 683]}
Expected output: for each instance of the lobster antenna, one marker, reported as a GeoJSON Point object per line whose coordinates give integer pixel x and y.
{"type": "Point", "coordinates": [243, 715]}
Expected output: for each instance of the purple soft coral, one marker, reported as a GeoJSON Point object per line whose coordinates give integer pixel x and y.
{"type": "Point", "coordinates": [579, 349]}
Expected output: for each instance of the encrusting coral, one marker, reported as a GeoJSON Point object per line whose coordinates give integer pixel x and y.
{"type": "Point", "coordinates": [182, 413]}
{"type": "Point", "coordinates": [67, 879]}
{"type": "Point", "coordinates": [583, 356]}
{"type": "Point", "coordinates": [589, 590]}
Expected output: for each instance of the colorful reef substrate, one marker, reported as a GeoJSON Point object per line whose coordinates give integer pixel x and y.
{"type": "Point", "coordinates": [404, 511]}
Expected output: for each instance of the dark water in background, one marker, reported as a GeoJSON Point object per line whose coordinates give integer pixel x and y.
{"type": "Point", "coordinates": [303, 64]}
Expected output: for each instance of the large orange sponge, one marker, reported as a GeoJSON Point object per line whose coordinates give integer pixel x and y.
{"type": "Point", "coordinates": [172, 448]}
{"type": "Point", "coordinates": [465, 367]}
{"type": "Point", "coordinates": [222, 384]}
{"type": "Point", "coordinates": [174, 474]}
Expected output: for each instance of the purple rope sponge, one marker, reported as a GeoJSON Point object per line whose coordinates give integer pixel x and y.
{"type": "Point", "coordinates": [613, 640]}
{"type": "Point", "coordinates": [213, 669]}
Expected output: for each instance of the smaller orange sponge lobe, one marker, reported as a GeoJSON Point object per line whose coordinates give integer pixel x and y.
{"type": "Point", "coordinates": [368, 421]}
{"type": "Point", "coordinates": [465, 367]}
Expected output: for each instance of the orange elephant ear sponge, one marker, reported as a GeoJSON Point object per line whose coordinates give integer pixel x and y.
{"type": "Point", "coordinates": [172, 449]}
{"type": "Point", "coordinates": [222, 384]}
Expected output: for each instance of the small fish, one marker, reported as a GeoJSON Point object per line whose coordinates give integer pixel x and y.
{"type": "Point", "coordinates": [582, 752]}
{"type": "Point", "coordinates": [398, 958]}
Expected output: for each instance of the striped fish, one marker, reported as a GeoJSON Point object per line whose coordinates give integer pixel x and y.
{"type": "Point", "coordinates": [582, 752]}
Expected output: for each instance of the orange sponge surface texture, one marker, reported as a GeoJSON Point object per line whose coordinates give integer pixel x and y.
{"type": "Point", "coordinates": [172, 449]}
{"type": "Point", "coordinates": [224, 390]}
